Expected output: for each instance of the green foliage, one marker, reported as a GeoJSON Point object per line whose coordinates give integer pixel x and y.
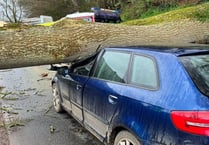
{"type": "Point", "coordinates": [202, 13]}
{"type": "Point", "coordinates": [133, 10]}
{"type": "Point", "coordinates": [152, 11]}
{"type": "Point", "coordinates": [60, 8]}
{"type": "Point", "coordinates": [199, 12]}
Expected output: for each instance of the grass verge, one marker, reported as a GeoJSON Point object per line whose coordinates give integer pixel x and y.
{"type": "Point", "coordinates": [199, 12]}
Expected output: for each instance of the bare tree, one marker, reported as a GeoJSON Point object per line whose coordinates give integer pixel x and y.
{"type": "Point", "coordinates": [12, 10]}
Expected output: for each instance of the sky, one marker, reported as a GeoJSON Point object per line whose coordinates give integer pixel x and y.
{"type": "Point", "coordinates": [1, 13]}
{"type": "Point", "coordinates": [2, 17]}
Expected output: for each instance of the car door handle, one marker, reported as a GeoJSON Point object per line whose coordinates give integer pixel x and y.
{"type": "Point", "coordinates": [112, 99]}
{"type": "Point", "coordinates": [78, 87]}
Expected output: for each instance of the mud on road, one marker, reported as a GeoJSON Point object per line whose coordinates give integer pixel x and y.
{"type": "Point", "coordinates": [25, 100]}
{"type": "Point", "coordinates": [4, 139]}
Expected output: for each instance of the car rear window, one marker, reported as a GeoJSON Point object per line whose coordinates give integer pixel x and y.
{"type": "Point", "coordinates": [198, 68]}
{"type": "Point", "coordinates": [144, 72]}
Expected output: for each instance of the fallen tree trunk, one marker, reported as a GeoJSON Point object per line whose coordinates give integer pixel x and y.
{"type": "Point", "coordinates": [70, 40]}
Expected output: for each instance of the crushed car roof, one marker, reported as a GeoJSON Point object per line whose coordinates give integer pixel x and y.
{"type": "Point", "coordinates": [178, 51]}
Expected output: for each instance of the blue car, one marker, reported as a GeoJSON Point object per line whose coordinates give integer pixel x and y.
{"type": "Point", "coordinates": [139, 95]}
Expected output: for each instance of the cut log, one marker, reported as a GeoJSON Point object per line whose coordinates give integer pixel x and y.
{"type": "Point", "coordinates": [69, 40]}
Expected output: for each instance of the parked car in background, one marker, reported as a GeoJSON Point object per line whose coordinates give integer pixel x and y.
{"type": "Point", "coordinates": [107, 16]}
{"type": "Point", "coordinates": [99, 15]}
{"type": "Point", "coordinates": [86, 16]}
{"type": "Point", "coordinates": [139, 95]}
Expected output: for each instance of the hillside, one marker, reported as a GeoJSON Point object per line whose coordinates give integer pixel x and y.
{"type": "Point", "coordinates": [199, 12]}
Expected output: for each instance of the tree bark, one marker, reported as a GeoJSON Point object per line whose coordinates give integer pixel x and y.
{"type": "Point", "coordinates": [70, 40]}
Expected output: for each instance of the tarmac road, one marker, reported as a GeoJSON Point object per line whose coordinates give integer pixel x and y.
{"type": "Point", "coordinates": [30, 116]}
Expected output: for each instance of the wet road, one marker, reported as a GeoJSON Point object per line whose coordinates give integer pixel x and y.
{"type": "Point", "coordinates": [31, 119]}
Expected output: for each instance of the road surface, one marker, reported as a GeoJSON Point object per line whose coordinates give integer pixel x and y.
{"type": "Point", "coordinates": [30, 116]}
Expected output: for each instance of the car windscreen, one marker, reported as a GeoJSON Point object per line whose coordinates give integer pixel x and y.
{"type": "Point", "coordinates": [198, 68]}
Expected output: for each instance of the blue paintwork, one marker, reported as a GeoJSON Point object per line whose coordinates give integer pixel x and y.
{"type": "Point", "coordinates": [144, 112]}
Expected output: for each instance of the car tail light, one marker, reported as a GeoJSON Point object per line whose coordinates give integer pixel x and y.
{"type": "Point", "coordinates": [195, 122]}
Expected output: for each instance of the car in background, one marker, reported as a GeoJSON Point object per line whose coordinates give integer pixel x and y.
{"type": "Point", "coordinates": [139, 95]}
{"type": "Point", "coordinates": [86, 16]}
{"type": "Point", "coordinates": [99, 15]}
{"type": "Point", "coordinates": [107, 16]}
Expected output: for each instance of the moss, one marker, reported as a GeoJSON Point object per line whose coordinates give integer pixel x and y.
{"type": "Point", "coordinates": [199, 12]}
{"type": "Point", "coordinates": [13, 25]}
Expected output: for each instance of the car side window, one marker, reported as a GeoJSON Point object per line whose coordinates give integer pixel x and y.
{"type": "Point", "coordinates": [113, 66]}
{"type": "Point", "coordinates": [144, 72]}
{"type": "Point", "coordinates": [83, 70]}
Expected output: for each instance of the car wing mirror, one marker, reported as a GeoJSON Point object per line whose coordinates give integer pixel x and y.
{"type": "Point", "coordinates": [53, 67]}
{"type": "Point", "coordinates": [63, 71]}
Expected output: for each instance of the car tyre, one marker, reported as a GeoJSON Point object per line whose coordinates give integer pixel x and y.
{"type": "Point", "coordinates": [126, 138]}
{"type": "Point", "coordinates": [56, 99]}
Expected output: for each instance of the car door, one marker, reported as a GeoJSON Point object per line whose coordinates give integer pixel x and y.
{"type": "Point", "coordinates": [79, 75]}
{"type": "Point", "coordinates": [103, 90]}
{"type": "Point", "coordinates": [64, 84]}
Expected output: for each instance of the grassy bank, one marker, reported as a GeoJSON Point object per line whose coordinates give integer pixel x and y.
{"type": "Point", "coordinates": [198, 12]}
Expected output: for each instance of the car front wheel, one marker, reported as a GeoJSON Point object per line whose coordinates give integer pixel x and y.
{"type": "Point", "coordinates": [126, 138]}
{"type": "Point", "coordinates": [56, 99]}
